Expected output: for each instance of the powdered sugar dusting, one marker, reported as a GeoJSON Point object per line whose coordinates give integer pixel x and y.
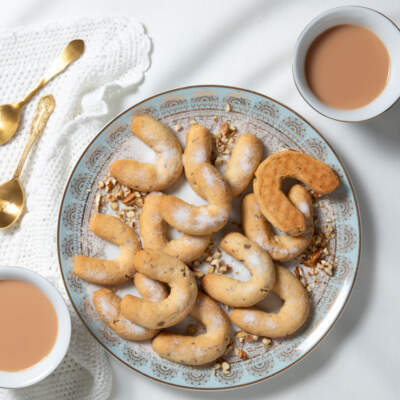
{"type": "Point", "coordinates": [166, 152]}
{"type": "Point", "coordinates": [108, 310]}
{"type": "Point", "coordinates": [248, 160]}
{"type": "Point", "coordinates": [303, 207]}
{"type": "Point", "coordinates": [269, 323]}
{"type": "Point", "coordinates": [156, 219]}
{"type": "Point", "coordinates": [199, 351]}
{"type": "Point", "coordinates": [141, 175]}
{"type": "Point", "coordinates": [132, 328]}
{"type": "Point", "coordinates": [269, 247]}
{"type": "Point", "coordinates": [257, 262]}
{"type": "Point", "coordinates": [96, 274]}
{"type": "Point", "coordinates": [204, 219]}
{"type": "Point", "coordinates": [155, 289]}
{"type": "Point", "coordinates": [256, 207]}
{"type": "Point", "coordinates": [181, 215]}
{"type": "Point", "coordinates": [199, 156]}
{"type": "Point", "coordinates": [193, 241]}
{"type": "Point", "coordinates": [209, 177]}
{"type": "Point", "coordinates": [249, 317]}
{"type": "Point", "coordinates": [182, 297]}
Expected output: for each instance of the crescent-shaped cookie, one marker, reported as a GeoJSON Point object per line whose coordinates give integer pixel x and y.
{"type": "Point", "coordinates": [280, 247]}
{"type": "Point", "coordinates": [178, 304]}
{"type": "Point", "coordinates": [274, 204]}
{"type": "Point", "coordinates": [147, 177]}
{"type": "Point", "coordinates": [153, 231]}
{"type": "Point", "coordinates": [108, 306]}
{"type": "Point", "coordinates": [201, 349]}
{"type": "Point", "coordinates": [234, 292]}
{"type": "Point", "coordinates": [291, 317]}
{"type": "Point", "coordinates": [109, 272]}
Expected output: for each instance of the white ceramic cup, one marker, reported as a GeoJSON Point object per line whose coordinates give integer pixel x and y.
{"type": "Point", "coordinates": [39, 371]}
{"type": "Point", "coordinates": [376, 22]}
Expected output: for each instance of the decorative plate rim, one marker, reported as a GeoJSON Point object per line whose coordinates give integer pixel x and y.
{"type": "Point", "coordinates": [333, 322]}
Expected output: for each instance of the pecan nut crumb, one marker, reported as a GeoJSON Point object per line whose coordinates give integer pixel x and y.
{"type": "Point", "coordinates": [266, 342]}
{"type": "Point", "coordinates": [225, 138]}
{"type": "Point", "coordinates": [225, 367]}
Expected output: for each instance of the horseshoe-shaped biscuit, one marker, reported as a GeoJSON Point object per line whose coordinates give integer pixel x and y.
{"type": "Point", "coordinates": [107, 304]}
{"type": "Point", "coordinates": [147, 177]}
{"type": "Point", "coordinates": [275, 206]}
{"type": "Point", "coordinates": [153, 231]}
{"type": "Point", "coordinates": [257, 228]}
{"type": "Point", "coordinates": [245, 157]}
{"type": "Point", "coordinates": [236, 293]}
{"type": "Point", "coordinates": [109, 272]}
{"type": "Point", "coordinates": [291, 317]}
{"type": "Point", "coordinates": [200, 220]}
{"type": "Point", "coordinates": [197, 150]}
{"type": "Point", "coordinates": [176, 306]}
{"type": "Point", "coordinates": [201, 349]}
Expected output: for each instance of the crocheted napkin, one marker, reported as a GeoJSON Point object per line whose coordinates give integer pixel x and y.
{"type": "Point", "coordinates": [116, 57]}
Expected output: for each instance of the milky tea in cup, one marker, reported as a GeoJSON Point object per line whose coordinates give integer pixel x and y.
{"type": "Point", "coordinates": [347, 67]}
{"type": "Point", "coordinates": [28, 323]}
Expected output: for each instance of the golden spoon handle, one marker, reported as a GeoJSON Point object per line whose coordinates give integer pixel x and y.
{"type": "Point", "coordinates": [72, 51]}
{"type": "Point", "coordinates": [43, 111]}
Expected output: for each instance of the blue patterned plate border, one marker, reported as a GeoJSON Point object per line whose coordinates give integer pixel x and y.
{"type": "Point", "coordinates": [279, 127]}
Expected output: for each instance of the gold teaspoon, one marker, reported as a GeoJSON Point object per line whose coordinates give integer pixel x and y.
{"type": "Point", "coordinates": [12, 196]}
{"type": "Point", "coordinates": [10, 113]}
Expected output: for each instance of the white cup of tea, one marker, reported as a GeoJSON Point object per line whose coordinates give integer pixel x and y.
{"type": "Point", "coordinates": [334, 103]}
{"type": "Point", "coordinates": [46, 296]}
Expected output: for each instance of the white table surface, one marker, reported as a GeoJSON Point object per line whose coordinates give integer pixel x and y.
{"type": "Point", "coordinates": [250, 44]}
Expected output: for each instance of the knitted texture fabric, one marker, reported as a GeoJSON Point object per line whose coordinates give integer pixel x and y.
{"type": "Point", "coordinates": [116, 57]}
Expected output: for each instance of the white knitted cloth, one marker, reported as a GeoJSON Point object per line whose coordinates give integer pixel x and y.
{"type": "Point", "coordinates": [116, 57]}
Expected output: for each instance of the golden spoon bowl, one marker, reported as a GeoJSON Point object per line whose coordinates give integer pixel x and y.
{"type": "Point", "coordinates": [10, 113]}
{"type": "Point", "coordinates": [12, 196]}
{"type": "Point", "coordinates": [9, 121]}
{"type": "Point", "coordinates": [12, 202]}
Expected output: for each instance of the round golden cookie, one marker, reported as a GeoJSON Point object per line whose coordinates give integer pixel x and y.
{"type": "Point", "coordinates": [153, 232]}
{"type": "Point", "coordinates": [291, 317]}
{"type": "Point", "coordinates": [274, 204]}
{"type": "Point", "coordinates": [201, 349]}
{"type": "Point", "coordinates": [197, 150]}
{"type": "Point", "coordinates": [109, 272]}
{"type": "Point", "coordinates": [200, 220]}
{"type": "Point", "coordinates": [178, 304]}
{"type": "Point", "coordinates": [147, 177]}
{"type": "Point", "coordinates": [244, 160]}
{"type": "Point", "coordinates": [107, 304]}
{"type": "Point", "coordinates": [236, 293]}
{"type": "Point", "coordinates": [280, 247]}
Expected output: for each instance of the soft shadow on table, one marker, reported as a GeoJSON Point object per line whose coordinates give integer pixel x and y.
{"type": "Point", "coordinates": [385, 129]}
{"type": "Point", "coordinates": [226, 31]}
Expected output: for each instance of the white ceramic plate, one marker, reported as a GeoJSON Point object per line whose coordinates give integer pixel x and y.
{"type": "Point", "coordinates": [278, 128]}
